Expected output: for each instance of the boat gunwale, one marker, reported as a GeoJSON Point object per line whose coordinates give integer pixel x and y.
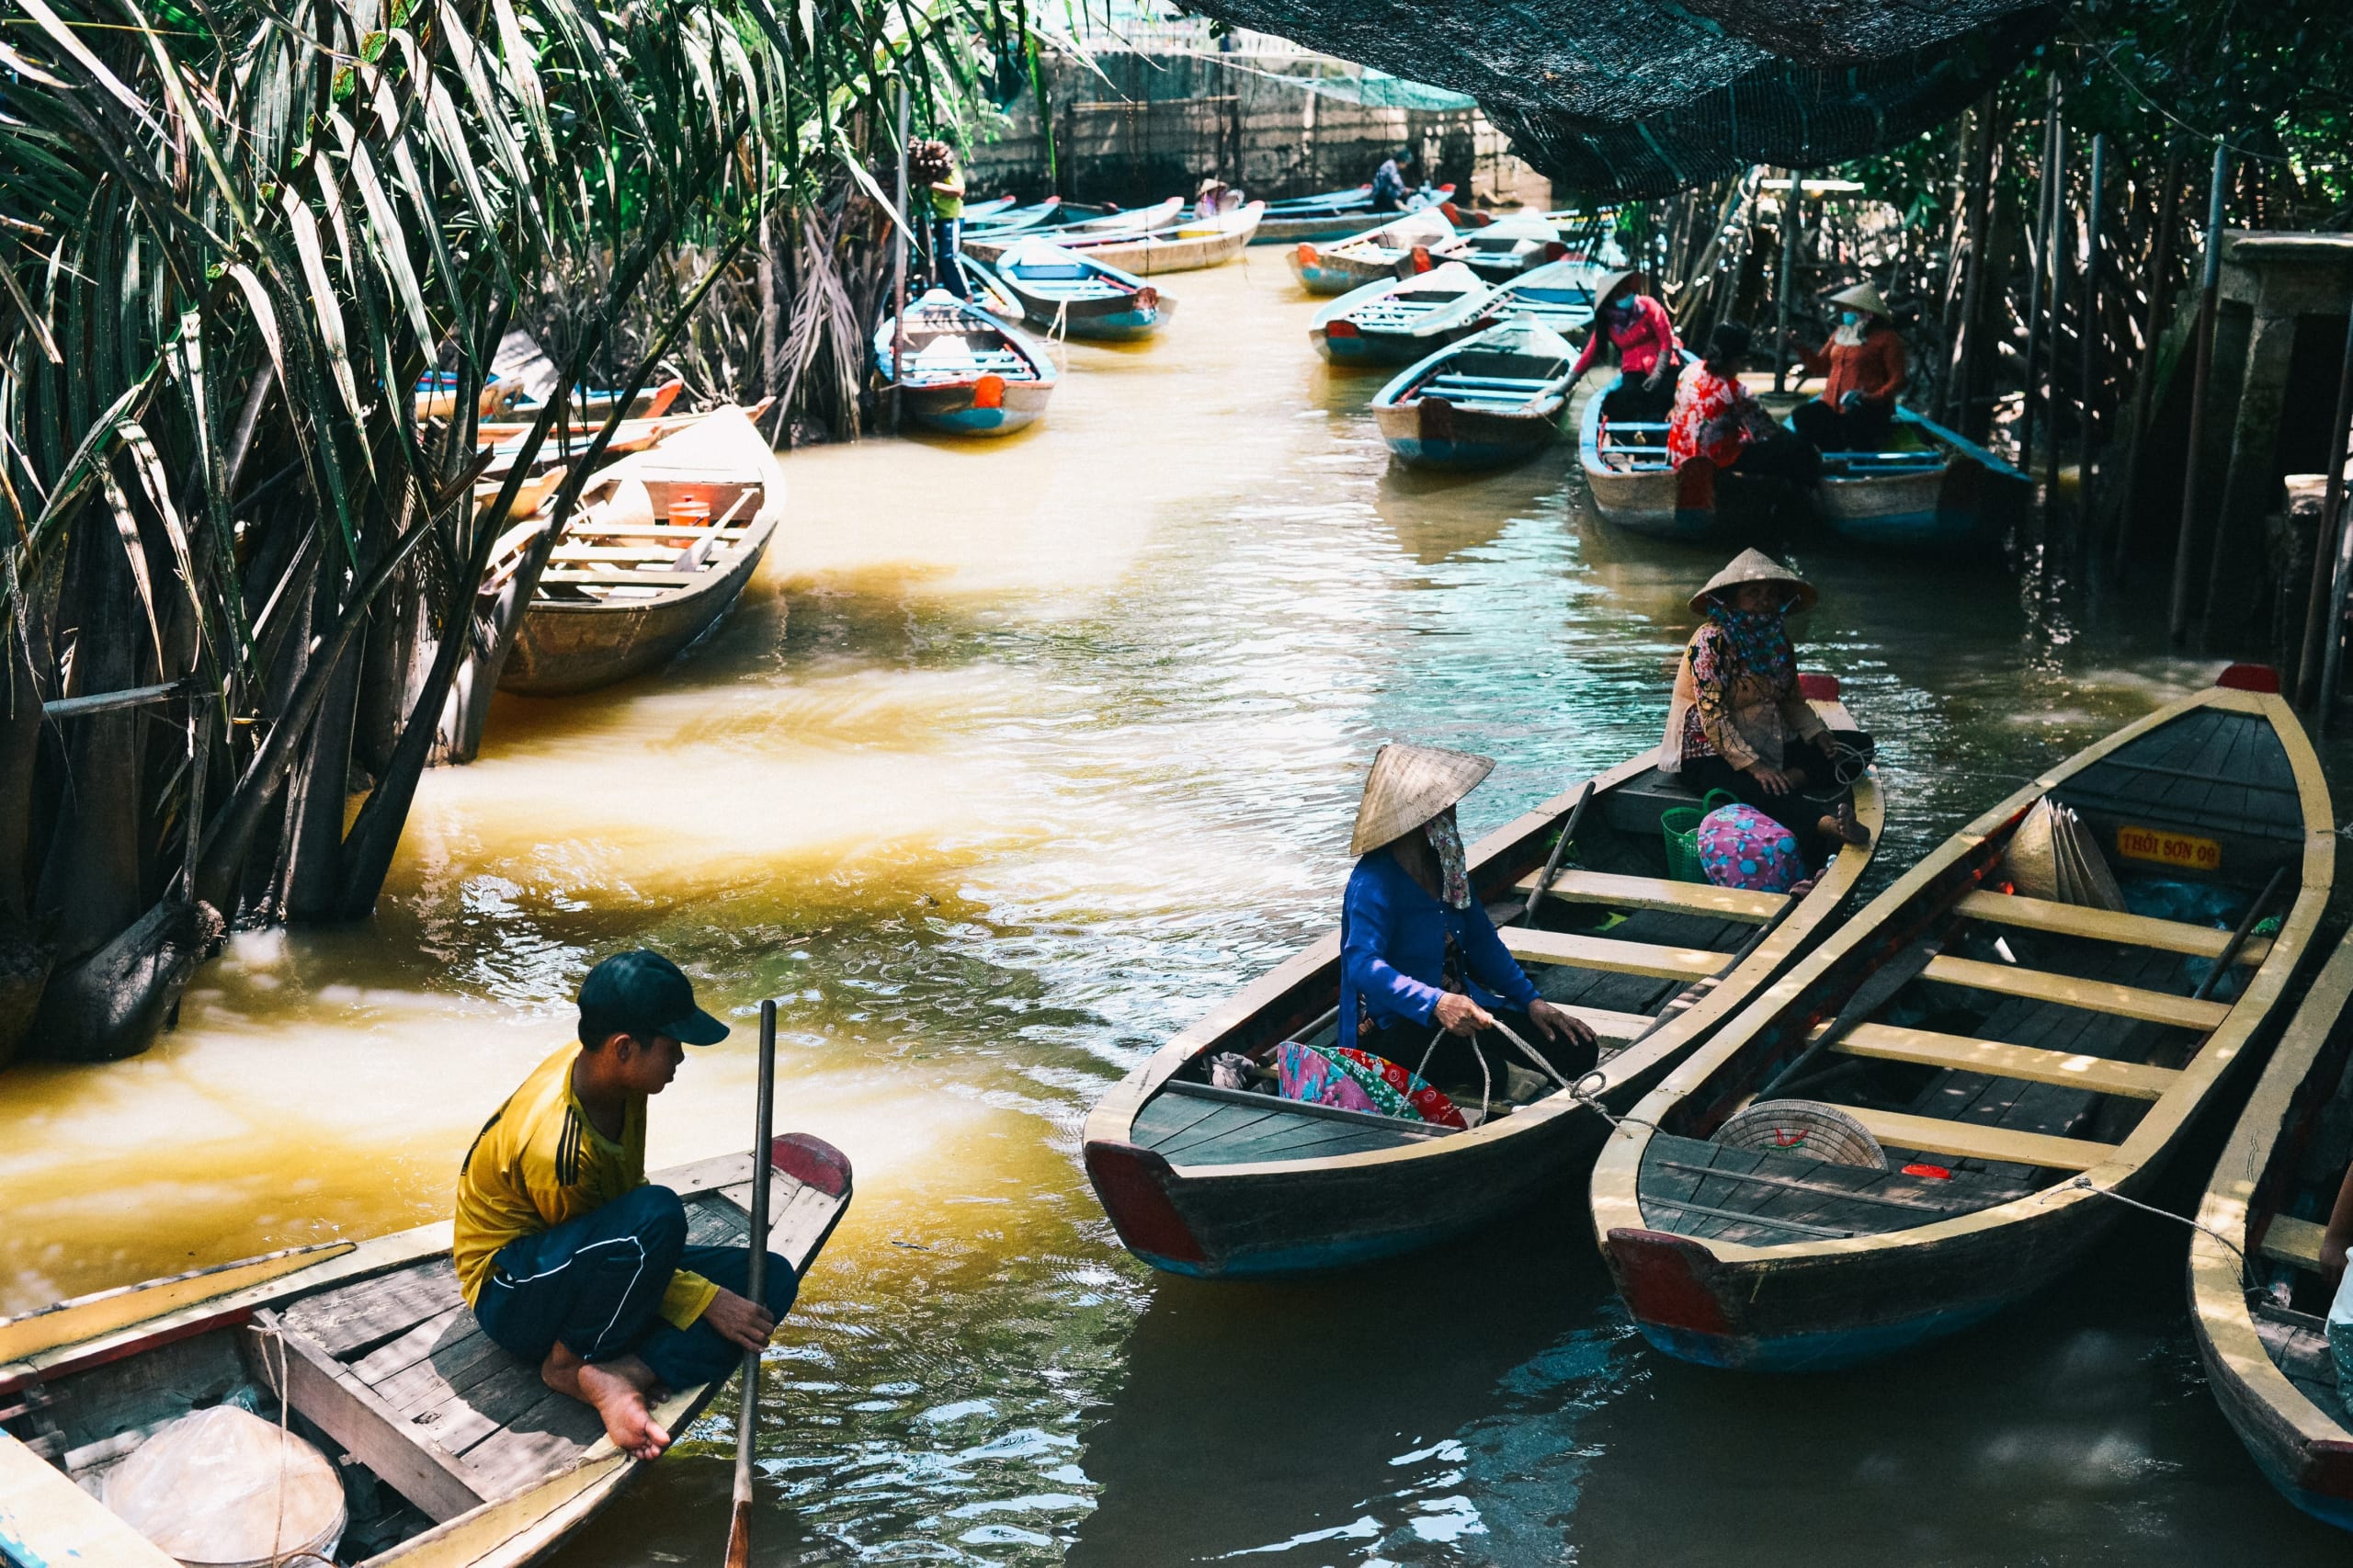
{"type": "Point", "coordinates": [1112, 1119]}
{"type": "Point", "coordinates": [2234, 1352]}
{"type": "Point", "coordinates": [1615, 1192]}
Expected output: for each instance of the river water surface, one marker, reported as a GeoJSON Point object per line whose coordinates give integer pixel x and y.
{"type": "Point", "coordinates": [1017, 757]}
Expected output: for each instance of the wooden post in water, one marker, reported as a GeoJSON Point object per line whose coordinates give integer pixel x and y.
{"type": "Point", "coordinates": [2209, 291]}
{"type": "Point", "coordinates": [899, 270]}
{"type": "Point", "coordinates": [2034, 292]}
{"type": "Point", "coordinates": [1964, 414]}
{"type": "Point", "coordinates": [747, 1414]}
{"type": "Point", "coordinates": [2144, 373]}
{"type": "Point", "coordinates": [2325, 611]}
{"type": "Point", "coordinates": [2090, 331]}
{"type": "Point", "coordinates": [1792, 219]}
{"type": "Point", "coordinates": [2062, 222]}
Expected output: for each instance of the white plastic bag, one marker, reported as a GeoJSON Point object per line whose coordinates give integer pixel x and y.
{"type": "Point", "coordinates": [223, 1488]}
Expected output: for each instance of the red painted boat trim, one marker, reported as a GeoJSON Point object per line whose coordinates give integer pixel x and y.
{"type": "Point", "coordinates": [1665, 1280]}
{"type": "Point", "coordinates": [1133, 1184]}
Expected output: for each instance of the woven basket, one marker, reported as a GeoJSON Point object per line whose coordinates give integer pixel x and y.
{"type": "Point", "coordinates": [1804, 1127]}
{"type": "Point", "coordinates": [1680, 824]}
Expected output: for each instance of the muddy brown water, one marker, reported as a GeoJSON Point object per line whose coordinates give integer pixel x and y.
{"type": "Point", "coordinates": [1018, 756]}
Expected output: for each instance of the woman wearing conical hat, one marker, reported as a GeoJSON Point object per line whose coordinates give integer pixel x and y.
{"type": "Point", "coordinates": [1649, 353]}
{"type": "Point", "coordinates": [1737, 722]}
{"type": "Point", "coordinates": [1422, 971]}
{"type": "Point", "coordinates": [1864, 366]}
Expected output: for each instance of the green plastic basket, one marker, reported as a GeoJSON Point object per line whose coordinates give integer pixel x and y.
{"type": "Point", "coordinates": [1680, 824]}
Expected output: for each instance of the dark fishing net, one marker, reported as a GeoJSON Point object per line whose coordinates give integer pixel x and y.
{"type": "Point", "coordinates": [1639, 97]}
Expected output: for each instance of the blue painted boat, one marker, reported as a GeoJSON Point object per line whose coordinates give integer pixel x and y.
{"type": "Point", "coordinates": [1229, 1182]}
{"type": "Point", "coordinates": [1929, 490]}
{"type": "Point", "coordinates": [1507, 248]}
{"type": "Point", "coordinates": [1559, 294]}
{"type": "Point", "coordinates": [1372, 254]}
{"type": "Point", "coordinates": [1932, 1117]}
{"type": "Point", "coordinates": [1396, 320]}
{"type": "Point", "coordinates": [1493, 398]}
{"type": "Point", "coordinates": [1067, 294]}
{"type": "Point", "coordinates": [967, 372]}
{"type": "Point", "coordinates": [1636, 486]}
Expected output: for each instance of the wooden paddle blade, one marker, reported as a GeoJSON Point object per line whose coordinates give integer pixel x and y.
{"type": "Point", "coordinates": [739, 1536]}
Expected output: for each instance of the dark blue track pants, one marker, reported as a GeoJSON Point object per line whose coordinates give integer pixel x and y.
{"type": "Point", "coordinates": [595, 1284]}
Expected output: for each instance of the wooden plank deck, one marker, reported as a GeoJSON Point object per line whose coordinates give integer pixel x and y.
{"type": "Point", "coordinates": [1758, 1198]}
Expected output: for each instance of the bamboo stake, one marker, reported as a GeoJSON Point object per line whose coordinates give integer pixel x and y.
{"type": "Point", "coordinates": [2209, 291]}
{"type": "Point", "coordinates": [899, 272]}
{"type": "Point", "coordinates": [1956, 239]}
{"type": "Point", "coordinates": [739, 1526]}
{"type": "Point", "coordinates": [2061, 223]}
{"type": "Point", "coordinates": [2089, 331]}
{"type": "Point", "coordinates": [1966, 416]}
{"type": "Point", "coordinates": [2144, 373]}
{"type": "Point", "coordinates": [2325, 621]}
{"type": "Point", "coordinates": [1793, 220]}
{"type": "Point", "coordinates": [2034, 292]}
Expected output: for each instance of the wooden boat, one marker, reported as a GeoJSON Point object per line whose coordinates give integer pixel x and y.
{"type": "Point", "coordinates": [1399, 320]}
{"type": "Point", "coordinates": [1507, 248]}
{"type": "Point", "coordinates": [1346, 198]}
{"type": "Point", "coordinates": [982, 211]}
{"type": "Point", "coordinates": [2259, 1301]}
{"type": "Point", "coordinates": [437, 395]}
{"type": "Point", "coordinates": [1229, 1184]}
{"type": "Point", "coordinates": [1559, 294]}
{"type": "Point", "coordinates": [453, 1454]}
{"type": "Point", "coordinates": [659, 546]}
{"type": "Point", "coordinates": [968, 373]}
{"type": "Point", "coordinates": [1333, 216]}
{"type": "Point", "coordinates": [1012, 219]}
{"type": "Point", "coordinates": [1493, 398]}
{"type": "Point", "coordinates": [987, 247]}
{"type": "Point", "coordinates": [590, 408]}
{"type": "Point", "coordinates": [1930, 489]}
{"type": "Point", "coordinates": [1374, 254]}
{"type": "Point", "coordinates": [1637, 487]}
{"type": "Point", "coordinates": [1184, 245]}
{"type": "Point", "coordinates": [1068, 294]}
{"type": "Point", "coordinates": [2016, 1059]}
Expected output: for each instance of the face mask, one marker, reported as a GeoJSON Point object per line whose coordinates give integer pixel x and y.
{"type": "Point", "coordinates": [1850, 318]}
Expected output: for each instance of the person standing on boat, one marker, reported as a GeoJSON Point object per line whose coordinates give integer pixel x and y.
{"type": "Point", "coordinates": [1389, 181]}
{"type": "Point", "coordinates": [566, 1255]}
{"type": "Point", "coordinates": [1649, 354]}
{"type": "Point", "coordinates": [1864, 366]}
{"type": "Point", "coordinates": [1716, 417]}
{"type": "Point", "coordinates": [1424, 978]}
{"type": "Point", "coordinates": [1738, 722]}
{"type": "Point", "coordinates": [946, 192]}
{"type": "Point", "coordinates": [1215, 199]}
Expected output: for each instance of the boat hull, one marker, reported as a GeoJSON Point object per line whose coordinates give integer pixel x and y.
{"type": "Point", "coordinates": [1433, 434]}
{"type": "Point", "coordinates": [962, 411]}
{"type": "Point", "coordinates": [1967, 504]}
{"type": "Point", "coordinates": [564, 649]}
{"type": "Point", "coordinates": [1154, 256]}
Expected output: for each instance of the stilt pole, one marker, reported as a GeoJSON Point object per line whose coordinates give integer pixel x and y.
{"type": "Point", "coordinates": [2144, 372]}
{"type": "Point", "coordinates": [1793, 220]}
{"type": "Point", "coordinates": [899, 270]}
{"type": "Point", "coordinates": [2332, 561]}
{"type": "Point", "coordinates": [2210, 290]}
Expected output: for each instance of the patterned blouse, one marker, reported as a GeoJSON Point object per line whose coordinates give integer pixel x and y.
{"type": "Point", "coordinates": [1715, 416]}
{"type": "Point", "coordinates": [1714, 663]}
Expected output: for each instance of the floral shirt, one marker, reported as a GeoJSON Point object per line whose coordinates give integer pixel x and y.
{"type": "Point", "coordinates": [1714, 418]}
{"type": "Point", "coordinates": [1715, 665]}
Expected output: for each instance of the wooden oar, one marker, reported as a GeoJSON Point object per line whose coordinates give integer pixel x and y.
{"type": "Point", "coordinates": [739, 1528]}
{"type": "Point", "coordinates": [1552, 866]}
{"type": "Point", "coordinates": [1867, 998]}
{"type": "Point", "coordinates": [2238, 938]}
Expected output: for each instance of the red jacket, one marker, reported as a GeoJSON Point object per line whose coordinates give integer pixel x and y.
{"type": "Point", "coordinates": [1877, 367]}
{"type": "Point", "coordinates": [1645, 334]}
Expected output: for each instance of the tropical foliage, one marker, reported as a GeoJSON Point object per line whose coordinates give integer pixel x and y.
{"type": "Point", "coordinates": [242, 573]}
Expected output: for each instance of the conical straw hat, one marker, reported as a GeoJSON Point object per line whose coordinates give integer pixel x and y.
{"type": "Point", "coordinates": [1863, 297]}
{"type": "Point", "coordinates": [1754, 565]}
{"type": "Point", "coordinates": [1611, 283]}
{"type": "Point", "coordinates": [1408, 786]}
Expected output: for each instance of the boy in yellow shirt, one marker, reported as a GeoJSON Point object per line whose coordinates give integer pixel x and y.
{"type": "Point", "coordinates": [566, 1255]}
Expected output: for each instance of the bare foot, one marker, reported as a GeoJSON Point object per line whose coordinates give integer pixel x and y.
{"type": "Point", "coordinates": [1843, 826]}
{"type": "Point", "coordinates": [616, 1389]}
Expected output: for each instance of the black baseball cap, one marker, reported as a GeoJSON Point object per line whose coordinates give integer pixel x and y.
{"type": "Point", "coordinates": [643, 993]}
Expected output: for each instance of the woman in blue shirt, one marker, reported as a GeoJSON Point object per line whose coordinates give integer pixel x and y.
{"type": "Point", "coordinates": [1422, 971]}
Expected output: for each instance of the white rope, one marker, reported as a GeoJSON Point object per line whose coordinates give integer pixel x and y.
{"type": "Point", "coordinates": [2246, 1269]}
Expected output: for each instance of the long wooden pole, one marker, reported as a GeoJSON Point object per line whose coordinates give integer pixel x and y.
{"type": "Point", "coordinates": [899, 271]}
{"type": "Point", "coordinates": [2034, 292]}
{"type": "Point", "coordinates": [2086, 390]}
{"type": "Point", "coordinates": [739, 1527]}
{"type": "Point", "coordinates": [1967, 416]}
{"type": "Point", "coordinates": [1793, 220]}
{"type": "Point", "coordinates": [2208, 297]}
{"type": "Point", "coordinates": [2144, 372]}
{"type": "Point", "coordinates": [2325, 618]}
{"type": "Point", "coordinates": [2062, 225]}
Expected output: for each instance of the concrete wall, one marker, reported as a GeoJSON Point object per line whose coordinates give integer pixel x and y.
{"type": "Point", "coordinates": [1168, 116]}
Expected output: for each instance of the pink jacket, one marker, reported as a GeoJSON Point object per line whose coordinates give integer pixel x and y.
{"type": "Point", "coordinates": [1645, 334]}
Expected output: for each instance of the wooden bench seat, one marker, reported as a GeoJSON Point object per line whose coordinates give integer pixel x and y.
{"type": "Point", "coordinates": [625, 579]}
{"type": "Point", "coordinates": [1576, 886]}
{"type": "Point", "coordinates": [1611, 954]}
{"type": "Point", "coordinates": [1607, 1024]}
{"type": "Point", "coordinates": [1974, 1141]}
{"type": "Point", "coordinates": [2107, 926]}
{"type": "Point", "coordinates": [2068, 991]}
{"type": "Point", "coordinates": [1888, 1042]}
{"type": "Point", "coordinates": [2293, 1241]}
